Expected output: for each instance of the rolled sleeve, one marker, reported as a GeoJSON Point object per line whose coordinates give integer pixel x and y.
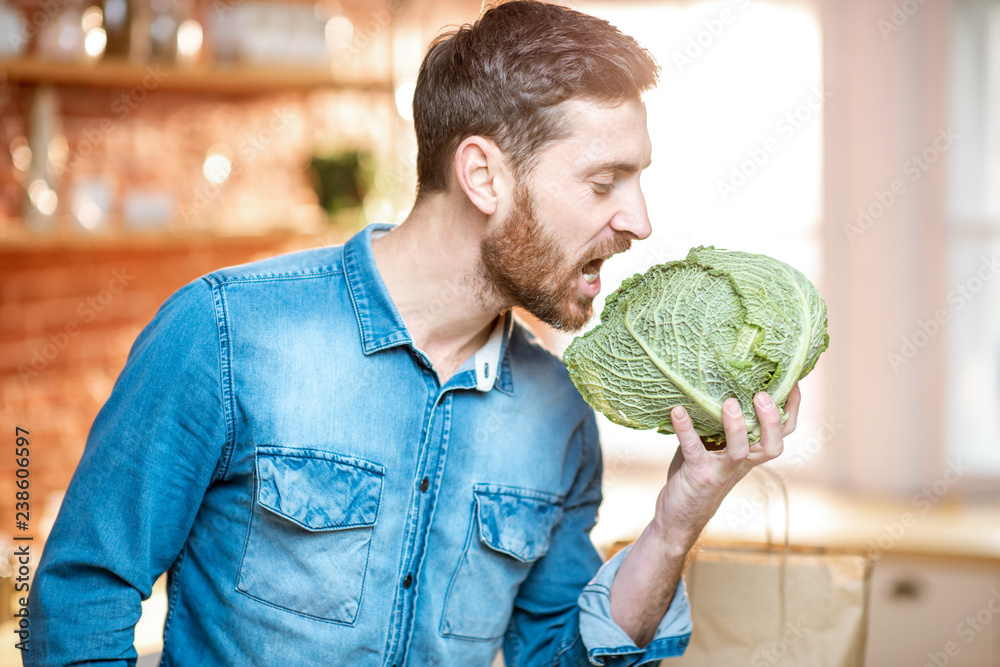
{"type": "Point", "coordinates": [562, 613]}
{"type": "Point", "coordinates": [608, 645]}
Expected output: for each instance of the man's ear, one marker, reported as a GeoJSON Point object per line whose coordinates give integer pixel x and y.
{"type": "Point", "coordinates": [481, 172]}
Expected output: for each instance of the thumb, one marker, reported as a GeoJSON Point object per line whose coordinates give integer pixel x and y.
{"type": "Point", "coordinates": [676, 463]}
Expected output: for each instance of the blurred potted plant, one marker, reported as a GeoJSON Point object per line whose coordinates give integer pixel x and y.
{"type": "Point", "coordinates": [341, 181]}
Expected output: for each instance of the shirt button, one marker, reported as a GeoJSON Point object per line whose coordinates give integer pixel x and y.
{"type": "Point", "coordinates": [424, 483]}
{"type": "Point", "coordinates": [407, 581]}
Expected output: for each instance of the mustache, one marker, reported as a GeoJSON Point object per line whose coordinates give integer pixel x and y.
{"type": "Point", "coordinates": [618, 243]}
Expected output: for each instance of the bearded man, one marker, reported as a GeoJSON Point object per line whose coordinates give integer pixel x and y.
{"type": "Point", "coordinates": [356, 456]}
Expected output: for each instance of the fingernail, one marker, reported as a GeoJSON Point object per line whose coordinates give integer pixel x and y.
{"type": "Point", "coordinates": [764, 401]}
{"type": "Point", "coordinates": [679, 412]}
{"type": "Point", "coordinates": [733, 407]}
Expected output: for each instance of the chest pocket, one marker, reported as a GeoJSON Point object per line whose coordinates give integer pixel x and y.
{"type": "Point", "coordinates": [310, 533]}
{"type": "Point", "coordinates": [510, 529]}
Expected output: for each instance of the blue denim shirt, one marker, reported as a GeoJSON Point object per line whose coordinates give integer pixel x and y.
{"type": "Point", "coordinates": [279, 446]}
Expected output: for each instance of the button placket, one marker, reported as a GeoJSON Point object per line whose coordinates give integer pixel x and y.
{"type": "Point", "coordinates": [431, 460]}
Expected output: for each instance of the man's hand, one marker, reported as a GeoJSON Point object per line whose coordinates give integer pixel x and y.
{"type": "Point", "coordinates": [699, 479]}
{"type": "Point", "coordinates": [697, 482]}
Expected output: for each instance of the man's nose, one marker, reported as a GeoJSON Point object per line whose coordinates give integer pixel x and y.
{"type": "Point", "coordinates": [632, 218]}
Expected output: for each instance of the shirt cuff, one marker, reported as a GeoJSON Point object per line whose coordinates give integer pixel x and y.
{"type": "Point", "coordinates": [608, 645]}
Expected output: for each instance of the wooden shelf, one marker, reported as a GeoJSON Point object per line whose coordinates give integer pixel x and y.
{"type": "Point", "coordinates": [236, 80]}
{"type": "Point", "coordinates": [27, 242]}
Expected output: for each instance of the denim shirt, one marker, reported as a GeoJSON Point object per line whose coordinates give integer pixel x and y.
{"type": "Point", "coordinates": [278, 445]}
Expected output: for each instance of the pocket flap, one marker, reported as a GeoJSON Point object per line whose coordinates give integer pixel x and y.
{"type": "Point", "coordinates": [318, 490]}
{"type": "Point", "coordinates": [517, 522]}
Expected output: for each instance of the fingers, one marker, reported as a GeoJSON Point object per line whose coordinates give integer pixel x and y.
{"type": "Point", "coordinates": [737, 445]}
{"type": "Point", "coordinates": [691, 445]}
{"type": "Point", "coordinates": [770, 425]}
{"type": "Point", "coordinates": [792, 409]}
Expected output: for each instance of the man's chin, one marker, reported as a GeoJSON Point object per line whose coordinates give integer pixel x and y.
{"type": "Point", "coordinates": [571, 318]}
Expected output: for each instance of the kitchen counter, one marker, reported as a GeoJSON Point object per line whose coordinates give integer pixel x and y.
{"type": "Point", "coordinates": [929, 523]}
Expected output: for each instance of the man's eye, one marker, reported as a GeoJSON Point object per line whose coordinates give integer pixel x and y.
{"type": "Point", "coordinates": [603, 188]}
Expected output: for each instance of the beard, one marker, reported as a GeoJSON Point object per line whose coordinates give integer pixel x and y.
{"type": "Point", "coordinates": [525, 267]}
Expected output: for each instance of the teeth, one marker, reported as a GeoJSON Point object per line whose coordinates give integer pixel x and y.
{"type": "Point", "coordinates": [590, 277]}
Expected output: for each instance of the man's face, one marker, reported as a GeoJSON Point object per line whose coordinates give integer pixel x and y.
{"type": "Point", "coordinates": [580, 204]}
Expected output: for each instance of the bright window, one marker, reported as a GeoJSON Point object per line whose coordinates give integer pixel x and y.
{"type": "Point", "coordinates": [973, 354]}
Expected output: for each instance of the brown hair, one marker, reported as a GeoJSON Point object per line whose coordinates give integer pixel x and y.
{"type": "Point", "coordinates": [503, 76]}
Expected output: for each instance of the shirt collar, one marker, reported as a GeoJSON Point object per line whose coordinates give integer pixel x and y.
{"type": "Point", "coordinates": [487, 358]}
{"type": "Point", "coordinates": [381, 325]}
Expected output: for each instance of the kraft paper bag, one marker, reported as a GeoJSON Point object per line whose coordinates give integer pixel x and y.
{"type": "Point", "coordinates": [771, 606]}
{"type": "Point", "coordinates": [768, 607]}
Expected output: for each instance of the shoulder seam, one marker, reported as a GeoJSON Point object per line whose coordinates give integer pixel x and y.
{"type": "Point", "coordinates": [215, 278]}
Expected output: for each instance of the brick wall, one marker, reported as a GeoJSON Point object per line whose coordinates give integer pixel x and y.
{"type": "Point", "coordinates": [68, 316]}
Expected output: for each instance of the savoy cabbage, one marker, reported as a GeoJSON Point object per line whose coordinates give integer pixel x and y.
{"type": "Point", "coordinates": [720, 323]}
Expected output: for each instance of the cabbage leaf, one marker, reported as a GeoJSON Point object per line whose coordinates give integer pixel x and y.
{"type": "Point", "coordinates": [720, 323]}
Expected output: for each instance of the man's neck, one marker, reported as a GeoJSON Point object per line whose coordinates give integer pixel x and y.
{"type": "Point", "coordinates": [430, 265]}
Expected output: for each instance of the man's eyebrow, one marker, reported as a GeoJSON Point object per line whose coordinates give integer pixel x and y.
{"type": "Point", "coordinates": [626, 167]}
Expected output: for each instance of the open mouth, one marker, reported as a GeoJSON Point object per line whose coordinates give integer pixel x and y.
{"type": "Point", "coordinates": [592, 270]}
